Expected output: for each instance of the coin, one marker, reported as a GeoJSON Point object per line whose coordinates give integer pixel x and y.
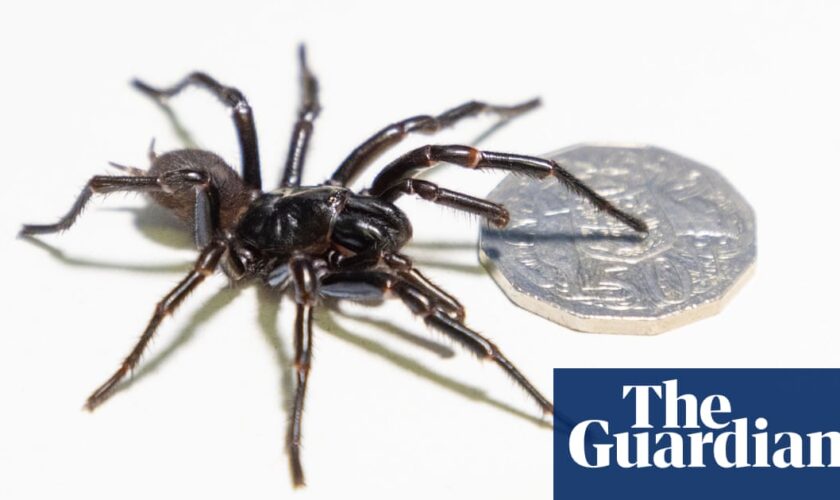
{"type": "Point", "coordinates": [561, 259]}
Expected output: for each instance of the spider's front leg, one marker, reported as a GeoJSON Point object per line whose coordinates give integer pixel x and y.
{"type": "Point", "coordinates": [469, 157]}
{"type": "Point", "coordinates": [306, 291]}
{"type": "Point", "coordinates": [205, 209]}
{"type": "Point", "coordinates": [429, 191]}
{"type": "Point", "coordinates": [373, 286]}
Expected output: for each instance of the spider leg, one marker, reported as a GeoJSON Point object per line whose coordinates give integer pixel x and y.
{"type": "Point", "coordinates": [310, 107]}
{"type": "Point", "coordinates": [469, 157]}
{"type": "Point", "coordinates": [306, 290]}
{"type": "Point", "coordinates": [366, 284]}
{"type": "Point", "coordinates": [437, 319]}
{"type": "Point", "coordinates": [403, 266]}
{"type": "Point", "coordinates": [102, 184]}
{"type": "Point", "coordinates": [243, 118]}
{"type": "Point", "coordinates": [204, 266]}
{"type": "Point", "coordinates": [206, 204]}
{"type": "Point", "coordinates": [493, 212]}
{"type": "Point", "coordinates": [369, 150]}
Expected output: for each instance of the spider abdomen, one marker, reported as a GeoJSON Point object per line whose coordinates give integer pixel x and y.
{"type": "Point", "coordinates": [232, 194]}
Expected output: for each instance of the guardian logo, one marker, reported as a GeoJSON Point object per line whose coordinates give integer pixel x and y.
{"type": "Point", "coordinates": [697, 434]}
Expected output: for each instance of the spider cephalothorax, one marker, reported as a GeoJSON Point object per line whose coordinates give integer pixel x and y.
{"type": "Point", "coordinates": [325, 241]}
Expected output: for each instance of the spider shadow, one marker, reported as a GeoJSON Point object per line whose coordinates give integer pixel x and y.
{"type": "Point", "coordinates": [59, 255]}
{"type": "Point", "coordinates": [268, 314]}
{"type": "Point", "coordinates": [327, 323]}
{"type": "Point", "coordinates": [178, 128]}
{"type": "Point", "coordinates": [153, 222]}
{"type": "Point", "coordinates": [449, 247]}
{"type": "Point", "coordinates": [159, 226]}
{"type": "Point", "coordinates": [202, 315]}
{"type": "Point", "coordinates": [515, 236]}
{"type": "Point", "coordinates": [159, 229]}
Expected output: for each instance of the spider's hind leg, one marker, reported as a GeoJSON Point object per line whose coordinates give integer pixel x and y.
{"type": "Point", "coordinates": [421, 304]}
{"type": "Point", "coordinates": [404, 267]}
{"type": "Point", "coordinates": [374, 285]}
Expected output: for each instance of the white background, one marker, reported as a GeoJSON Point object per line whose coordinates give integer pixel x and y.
{"type": "Point", "coordinates": [750, 88]}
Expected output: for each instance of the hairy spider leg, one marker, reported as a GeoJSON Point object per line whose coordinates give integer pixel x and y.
{"type": "Point", "coordinates": [204, 266]}
{"type": "Point", "coordinates": [496, 214]}
{"type": "Point", "coordinates": [423, 305]}
{"type": "Point", "coordinates": [243, 118]}
{"type": "Point", "coordinates": [309, 109]}
{"type": "Point", "coordinates": [206, 213]}
{"type": "Point", "coordinates": [375, 285]}
{"type": "Point", "coordinates": [404, 267]}
{"type": "Point", "coordinates": [472, 158]}
{"type": "Point", "coordinates": [306, 292]}
{"type": "Point", "coordinates": [368, 151]}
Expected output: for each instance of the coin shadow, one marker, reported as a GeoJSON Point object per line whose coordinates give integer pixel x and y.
{"type": "Point", "coordinates": [517, 236]}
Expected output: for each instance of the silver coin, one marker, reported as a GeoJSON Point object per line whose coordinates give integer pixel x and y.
{"type": "Point", "coordinates": [565, 261]}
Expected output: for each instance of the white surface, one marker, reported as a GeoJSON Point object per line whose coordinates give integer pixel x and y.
{"type": "Point", "coordinates": [749, 88]}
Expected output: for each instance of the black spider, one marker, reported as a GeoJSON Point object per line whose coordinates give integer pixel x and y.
{"type": "Point", "coordinates": [326, 241]}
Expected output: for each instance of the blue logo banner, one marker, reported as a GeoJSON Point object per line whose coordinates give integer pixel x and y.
{"type": "Point", "coordinates": [696, 433]}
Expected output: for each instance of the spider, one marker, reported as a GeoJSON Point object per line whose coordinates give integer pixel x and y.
{"type": "Point", "coordinates": [322, 242]}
